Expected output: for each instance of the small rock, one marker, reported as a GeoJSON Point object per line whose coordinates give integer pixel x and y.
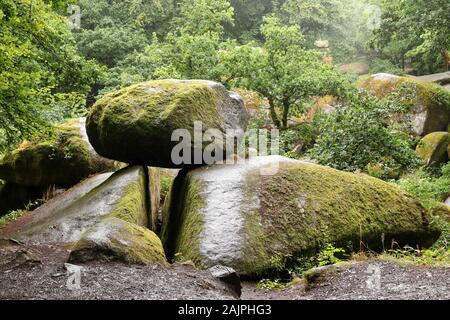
{"type": "Point", "coordinates": [229, 276]}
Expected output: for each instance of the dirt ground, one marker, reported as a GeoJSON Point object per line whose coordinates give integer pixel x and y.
{"type": "Point", "coordinates": [39, 273]}
{"type": "Point", "coordinates": [368, 280]}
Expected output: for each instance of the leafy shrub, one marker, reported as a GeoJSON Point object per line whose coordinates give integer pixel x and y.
{"type": "Point", "coordinates": [428, 189]}
{"type": "Point", "coordinates": [294, 141]}
{"type": "Point", "coordinates": [328, 255]}
{"type": "Point", "coordinates": [270, 285]}
{"type": "Point", "coordinates": [357, 136]}
{"type": "Point", "coordinates": [385, 66]}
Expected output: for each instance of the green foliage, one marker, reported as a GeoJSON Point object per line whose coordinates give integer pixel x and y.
{"type": "Point", "coordinates": [357, 136]}
{"type": "Point", "coordinates": [329, 255]}
{"type": "Point", "coordinates": [165, 185]}
{"type": "Point", "coordinates": [282, 70]}
{"type": "Point", "coordinates": [16, 214]}
{"type": "Point", "coordinates": [38, 60]}
{"type": "Point", "coordinates": [428, 188]}
{"type": "Point", "coordinates": [248, 17]}
{"type": "Point", "coordinates": [415, 30]}
{"type": "Point", "coordinates": [439, 257]}
{"type": "Point", "coordinates": [342, 23]}
{"type": "Point", "coordinates": [269, 285]}
{"type": "Point", "coordinates": [296, 140]}
{"type": "Point", "coordinates": [385, 66]}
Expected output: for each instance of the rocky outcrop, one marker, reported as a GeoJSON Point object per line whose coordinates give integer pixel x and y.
{"type": "Point", "coordinates": [433, 148]}
{"type": "Point", "coordinates": [252, 216]}
{"type": "Point", "coordinates": [124, 195]}
{"type": "Point", "coordinates": [135, 125]}
{"type": "Point", "coordinates": [429, 106]}
{"type": "Point", "coordinates": [62, 158]}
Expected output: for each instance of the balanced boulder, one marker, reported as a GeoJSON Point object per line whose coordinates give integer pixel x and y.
{"type": "Point", "coordinates": [116, 239]}
{"type": "Point", "coordinates": [61, 158]}
{"type": "Point", "coordinates": [250, 215]}
{"type": "Point", "coordinates": [433, 148]}
{"type": "Point", "coordinates": [135, 124]}
{"type": "Point", "coordinates": [428, 103]}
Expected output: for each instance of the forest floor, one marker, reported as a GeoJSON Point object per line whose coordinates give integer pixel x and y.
{"type": "Point", "coordinates": [39, 273]}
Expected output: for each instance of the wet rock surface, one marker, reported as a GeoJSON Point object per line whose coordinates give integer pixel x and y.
{"type": "Point", "coordinates": [63, 222]}
{"type": "Point", "coordinates": [246, 215]}
{"type": "Point", "coordinates": [115, 239]}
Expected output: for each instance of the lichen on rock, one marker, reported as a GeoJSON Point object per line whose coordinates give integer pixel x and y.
{"type": "Point", "coordinates": [121, 195]}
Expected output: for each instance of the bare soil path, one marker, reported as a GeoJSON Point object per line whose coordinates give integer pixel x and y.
{"type": "Point", "coordinates": [39, 273]}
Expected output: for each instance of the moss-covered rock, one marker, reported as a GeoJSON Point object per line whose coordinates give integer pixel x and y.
{"type": "Point", "coordinates": [429, 105]}
{"type": "Point", "coordinates": [123, 195]}
{"type": "Point", "coordinates": [135, 124]}
{"type": "Point", "coordinates": [116, 239]}
{"type": "Point", "coordinates": [62, 157]}
{"type": "Point", "coordinates": [250, 216]}
{"type": "Point", "coordinates": [433, 148]}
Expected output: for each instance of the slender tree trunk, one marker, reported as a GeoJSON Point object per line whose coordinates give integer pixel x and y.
{"type": "Point", "coordinates": [273, 113]}
{"type": "Point", "coordinates": [285, 113]}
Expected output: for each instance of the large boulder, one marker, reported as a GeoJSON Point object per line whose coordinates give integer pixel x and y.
{"type": "Point", "coordinates": [433, 148]}
{"type": "Point", "coordinates": [429, 104]}
{"type": "Point", "coordinates": [62, 158]}
{"type": "Point", "coordinates": [135, 124]}
{"type": "Point", "coordinates": [116, 239]}
{"type": "Point", "coordinates": [124, 195]}
{"type": "Point", "coordinates": [252, 215]}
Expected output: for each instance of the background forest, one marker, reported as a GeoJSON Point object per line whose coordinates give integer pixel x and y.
{"type": "Point", "coordinates": [48, 72]}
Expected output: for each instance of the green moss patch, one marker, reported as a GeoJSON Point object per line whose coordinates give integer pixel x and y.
{"type": "Point", "coordinates": [115, 239]}
{"type": "Point", "coordinates": [135, 124]}
{"type": "Point", "coordinates": [305, 207]}
{"type": "Point", "coordinates": [60, 158]}
{"type": "Point", "coordinates": [433, 148]}
{"type": "Point", "coordinates": [289, 216]}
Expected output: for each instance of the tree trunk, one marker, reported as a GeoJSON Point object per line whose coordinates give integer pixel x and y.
{"type": "Point", "coordinates": [285, 113]}
{"type": "Point", "coordinates": [273, 114]}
